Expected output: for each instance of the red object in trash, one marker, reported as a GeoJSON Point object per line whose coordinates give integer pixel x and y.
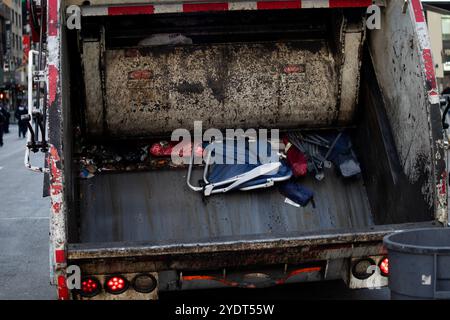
{"type": "Point", "coordinates": [165, 149]}
{"type": "Point", "coordinates": [161, 149]}
{"type": "Point", "coordinates": [296, 159]}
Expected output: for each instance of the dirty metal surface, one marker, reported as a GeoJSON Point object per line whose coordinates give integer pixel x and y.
{"type": "Point", "coordinates": [154, 90]}
{"type": "Point", "coordinates": [158, 207]}
{"type": "Point", "coordinates": [393, 198]}
{"type": "Point", "coordinates": [227, 259]}
{"type": "Point", "coordinates": [219, 253]}
{"type": "Point", "coordinates": [92, 85]}
{"type": "Point", "coordinates": [396, 59]}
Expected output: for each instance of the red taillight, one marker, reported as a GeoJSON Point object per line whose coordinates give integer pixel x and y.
{"type": "Point", "coordinates": [116, 284]}
{"type": "Point", "coordinates": [90, 287]}
{"type": "Point", "coordinates": [384, 266]}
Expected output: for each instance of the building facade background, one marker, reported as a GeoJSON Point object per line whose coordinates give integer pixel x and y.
{"type": "Point", "coordinates": [13, 69]}
{"type": "Point", "coordinates": [438, 20]}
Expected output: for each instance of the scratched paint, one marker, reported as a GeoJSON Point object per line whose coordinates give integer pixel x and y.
{"type": "Point", "coordinates": [55, 180]}
{"type": "Point", "coordinates": [406, 76]}
{"type": "Point", "coordinates": [54, 156]}
{"type": "Point", "coordinates": [52, 84]}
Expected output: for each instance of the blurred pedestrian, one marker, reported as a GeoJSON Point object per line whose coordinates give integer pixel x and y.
{"type": "Point", "coordinates": [21, 110]}
{"type": "Point", "coordinates": [4, 110]}
{"type": "Point", "coordinates": [2, 121]}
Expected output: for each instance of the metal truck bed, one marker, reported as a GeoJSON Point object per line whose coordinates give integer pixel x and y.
{"type": "Point", "coordinates": [158, 207]}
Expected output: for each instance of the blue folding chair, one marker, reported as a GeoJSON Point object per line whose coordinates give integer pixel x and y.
{"type": "Point", "coordinates": [240, 167]}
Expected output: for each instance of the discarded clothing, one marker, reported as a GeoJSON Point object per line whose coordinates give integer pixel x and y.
{"type": "Point", "coordinates": [297, 193]}
{"type": "Point", "coordinates": [296, 159]}
{"type": "Point", "coordinates": [343, 157]}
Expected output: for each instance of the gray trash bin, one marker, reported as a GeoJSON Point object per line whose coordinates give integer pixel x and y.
{"type": "Point", "coordinates": [419, 264]}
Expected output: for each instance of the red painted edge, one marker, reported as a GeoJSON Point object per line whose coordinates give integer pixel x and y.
{"type": "Point", "coordinates": [224, 6]}
{"type": "Point", "coordinates": [52, 83]}
{"type": "Point", "coordinates": [429, 68]}
{"type": "Point", "coordinates": [349, 3]}
{"type": "Point", "coordinates": [268, 5]}
{"type": "Point", "coordinates": [199, 7]}
{"type": "Point", "coordinates": [63, 291]}
{"type": "Point", "coordinates": [52, 17]}
{"type": "Point", "coordinates": [444, 183]}
{"type": "Point", "coordinates": [418, 12]}
{"type": "Point", "coordinates": [131, 10]}
{"type": "Point", "coordinates": [60, 256]}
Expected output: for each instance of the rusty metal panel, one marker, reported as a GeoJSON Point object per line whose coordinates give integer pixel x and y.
{"type": "Point", "coordinates": [350, 72]}
{"type": "Point", "coordinates": [291, 248]}
{"type": "Point", "coordinates": [155, 90]}
{"type": "Point", "coordinates": [92, 87]}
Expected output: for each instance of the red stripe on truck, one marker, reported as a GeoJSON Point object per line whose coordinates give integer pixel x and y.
{"type": "Point", "coordinates": [349, 3]}
{"type": "Point", "coordinates": [201, 7]}
{"type": "Point", "coordinates": [268, 5]}
{"type": "Point", "coordinates": [60, 256]}
{"type": "Point", "coordinates": [63, 291]}
{"type": "Point", "coordinates": [225, 6]}
{"type": "Point", "coordinates": [418, 12]}
{"type": "Point", "coordinates": [52, 84]}
{"type": "Point", "coordinates": [52, 17]}
{"type": "Point", "coordinates": [429, 69]}
{"type": "Point", "coordinates": [131, 10]}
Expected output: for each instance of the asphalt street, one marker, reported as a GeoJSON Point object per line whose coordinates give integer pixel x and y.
{"type": "Point", "coordinates": [24, 253]}
{"type": "Point", "coordinates": [24, 225]}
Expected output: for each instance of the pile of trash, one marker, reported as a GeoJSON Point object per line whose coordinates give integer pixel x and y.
{"type": "Point", "coordinates": [312, 153]}
{"type": "Point", "coordinates": [97, 158]}
{"type": "Point", "coordinates": [303, 154]}
{"type": "Point", "coordinates": [142, 156]}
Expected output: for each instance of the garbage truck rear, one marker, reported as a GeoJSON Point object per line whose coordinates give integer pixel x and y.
{"type": "Point", "coordinates": [123, 75]}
